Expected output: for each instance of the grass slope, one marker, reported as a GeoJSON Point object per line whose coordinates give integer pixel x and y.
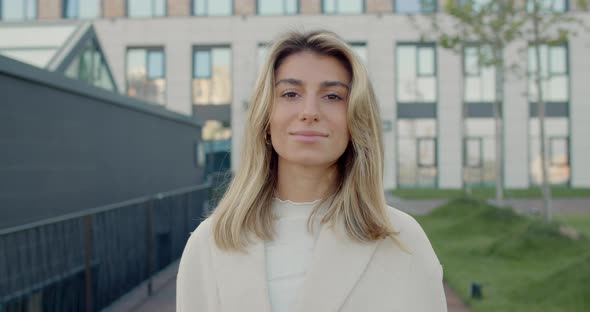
{"type": "Point", "coordinates": [524, 264]}
{"type": "Point", "coordinates": [489, 192]}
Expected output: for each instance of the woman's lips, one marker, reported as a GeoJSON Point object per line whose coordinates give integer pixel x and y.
{"type": "Point", "coordinates": [308, 135]}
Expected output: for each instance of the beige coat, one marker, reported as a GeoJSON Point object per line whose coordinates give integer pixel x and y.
{"type": "Point", "coordinates": [343, 275]}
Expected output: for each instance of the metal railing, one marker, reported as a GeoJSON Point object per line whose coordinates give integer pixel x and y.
{"type": "Point", "coordinates": [84, 261]}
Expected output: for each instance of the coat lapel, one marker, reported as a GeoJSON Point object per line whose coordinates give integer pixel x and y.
{"type": "Point", "coordinates": [241, 278]}
{"type": "Point", "coordinates": [336, 266]}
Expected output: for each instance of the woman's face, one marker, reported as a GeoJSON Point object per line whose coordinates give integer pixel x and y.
{"type": "Point", "coordinates": [308, 125]}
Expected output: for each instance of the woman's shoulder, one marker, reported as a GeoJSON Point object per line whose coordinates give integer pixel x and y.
{"type": "Point", "coordinates": [411, 234]}
{"type": "Point", "coordinates": [202, 233]}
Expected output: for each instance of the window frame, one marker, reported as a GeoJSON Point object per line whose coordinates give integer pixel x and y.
{"type": "Point", "coordinates": [550, 74]}
{"type": "Point", "coordinates": [422, 11]}
{"type": "Point", "coordinates": [152, 13]}
{"type": "Point", "coordinates": [566, 8]}
{"type": "Point", "coordinates": [64, 9]}
{"type": "Point", "coordinates": [419, 162]}
{"type": "Point", "coordinates": [297, 11]}
{"type": "Point", "coordinates": [164, 69]}
{"type": "Point", "coordinates": [417, 45]}
{"type": "Point", "coordinates": [480, 162]}
{"type": "Point", "coordinates": [552, 139]}
{"type": "Point", "coordinates": [323, 11]}
{"type": "Point", "coordinates": [209, 48]}
{"type": "Point", "coordinates": [25, 2]}
{"type": "Point", "coordinates": [193, 13]}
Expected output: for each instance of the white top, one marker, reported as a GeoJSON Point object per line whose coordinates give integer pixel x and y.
{"type": "Point", "coordinates": [288, 255]}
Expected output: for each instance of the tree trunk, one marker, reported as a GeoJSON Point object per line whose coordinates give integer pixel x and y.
{"type": "Point", "coordinates": [541, 117]}
{"type": "Point", "coordinates": [498, 124]}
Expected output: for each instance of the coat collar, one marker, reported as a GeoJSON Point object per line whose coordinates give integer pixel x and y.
{"type": "Point", "coordinates": [336, 265]}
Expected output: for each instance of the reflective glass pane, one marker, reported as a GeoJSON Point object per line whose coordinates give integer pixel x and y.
{"type": "Point", "coordinates": [13, 10]}
{"type": "Point", "coordinates": [291, 7]}
{"type": "Point", "coordinates": [139, 8]}
{"type": "Point", "coordinates": [89, 8]}
{"type": "Point", "coordinates": [472, 89]}
{"type": "Point", "coordinates": [31, 9]}
{"type": "Point", "coordinates": [414, 6]}
{"type": "Point", "coordinates": [425, 61]}
{"type": "Point", "coordinates": [558, 129]}
{"type": "Point", "coordinates": [426, 152]}
{"type": "Point", "coordinates": [202, 63]}
{"type": "Point", "coordinates": [488, 84]}
{"type": "Point", "coordinates": [159, 8]}
{"type": "Point", "coordinates": [155, 64]}
{"type": "Point", "coordinates": [199, 7]}
{"type": "Point", "coordinates": [270, 7]}
{"type": "Point", "coordinates": [329, 6]}
{"type": "Point", "coordinates": [361, 51]}
{"type": "Point", "coordinates": [558, 60]}
{"type": "Point", "coordinates": [262, 54]}
{"type": "Point", "coordinates": [471, 61]}
{"type": "Point", "coordinates": [426, 89]}
{"type": "Point", "coordinates": [71, 8]}
{"type": "Point", "coordinates": [558, 89]}
{"type": "Point", "coordinates": [219, 7]}
{"type": "Point", "coordinates": [216, 89]}
{"type": "Point", "coordinates": [410, 152]}
{"type": "Point", "coordinates": [473, 151]}
{"type": "Point", "coordinates": [350, 6]}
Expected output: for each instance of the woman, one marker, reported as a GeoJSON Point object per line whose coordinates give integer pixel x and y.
{"type": "Point", "coordinates": [304, 225]}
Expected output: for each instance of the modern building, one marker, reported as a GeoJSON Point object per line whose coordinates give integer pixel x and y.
{"type": "Point", "coordinates": [201, 57]}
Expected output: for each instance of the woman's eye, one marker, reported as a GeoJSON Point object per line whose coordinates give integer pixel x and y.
{"type": "Point", "coordinates": [289, 95]}
{"type": "Point", "coordinates": [333, 97]}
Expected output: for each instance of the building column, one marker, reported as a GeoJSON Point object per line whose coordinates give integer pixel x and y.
{"type": "Point", "coordinates": [516, 124]}
{"type": "Point", "coordinates": [49, 9]}
{"type": "Point", "coordinates": [579, 109]}
{"type": "Point", "coordinates": [449, 121]}
{"type": "Point", "coordinates": [113, 8]}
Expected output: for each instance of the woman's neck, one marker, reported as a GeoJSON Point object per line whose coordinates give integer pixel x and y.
{"type": "Point", "coordinates": [305, 183]}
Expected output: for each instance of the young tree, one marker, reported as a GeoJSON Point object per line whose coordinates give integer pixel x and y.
{"type": "Point", "coordinates": [494, 25]}
{"type": "Point", "coordinates": [549, 24]}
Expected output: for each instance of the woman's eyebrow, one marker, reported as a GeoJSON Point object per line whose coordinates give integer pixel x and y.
{"type": "Point", "coordinates": [324, 84]}
{"type": "Point", "coordinates": [327, 84]}
{"type": "Point", "coordinates": [292, 81]}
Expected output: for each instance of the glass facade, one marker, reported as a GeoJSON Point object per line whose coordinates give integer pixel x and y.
{"type": "Point", "coordinates": [480, 81]}
{"type": "Point", "coordinates": [417, 153]}
{"type": "Point", "coordinates": [556, 150]}
{"type": "Point", "coordinates": [83, 9]}
{"type": "Point", "coordinates": [415, 6]}
{"type": "Point", "coordinates": [416, 77]}
{"type": "Point", "coordinates": [479, 158]}
{"type": "Point", "coordinates": [212, 83]}
{"type": "Point", "coordinates": [212, 7]}
{"type": "Point", "coordinates": [343, 6]}
{"type": "Point", "coordinates": [146, 74]}
{"type": "Point", "coordinates": [277, 7]}
{"type": "Point", "coordinates": [557, 6]}
{"type": "Point", "coordinates": [554, 73]}
{"type": "Point", "coordinates": [146, 8]}
{"type": "Point", "coordinates": [90, 66]}
{"type": "Point", "coordinates": [18, 10]}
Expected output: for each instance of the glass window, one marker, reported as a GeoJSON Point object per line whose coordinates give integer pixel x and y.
{"type": "Point", "coordinates": [343, 6]}
{"type": "Point", "coordinates": [548, 6]}
{"type": "Point", "coordinates": [415, 6]}
{"type": "Point", "coordinates": [416, 152]}
{"type": "Point", "coordinates": [554, 73]}
{"type": "Point", "coordinates": [361, 50]}
{"type": "Point", "coordinates": [416, 73]}
{"type": "Point", "coordinates": [277, 7]}
{"type": "Point", "coordinates": [480, 81]}
{"type": "Point", "coordinates": [212, 7]}
{"type": "Point", "coordinates": [146, 74]}
{"type": "Point", "coordinates": [146, 8]}
{"type": "Point", "coordinates": [18, 10]}
{"type": "Point", "coordinates": [212, 82]}
{"type": "Point", "coordinates": [90, 66]}
{"type": "Point", "coordinates": [479, 159]}
{"type": "Point", "coordinates": [81, 8]}
{"type": "Point", "coordinates": [557, 150]}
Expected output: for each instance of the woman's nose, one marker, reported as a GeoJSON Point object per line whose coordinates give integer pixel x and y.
{"type": "Point", "coordinates": [310, 110]}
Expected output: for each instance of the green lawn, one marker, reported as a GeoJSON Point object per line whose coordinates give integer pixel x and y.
{"type": "Point", "coordinates": [524, 264]}
{"type": "Point", "coordinates": [489, 192]}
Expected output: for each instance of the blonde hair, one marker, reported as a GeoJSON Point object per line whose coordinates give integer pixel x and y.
{"type": "Point", "coordinates": [244, 211]}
